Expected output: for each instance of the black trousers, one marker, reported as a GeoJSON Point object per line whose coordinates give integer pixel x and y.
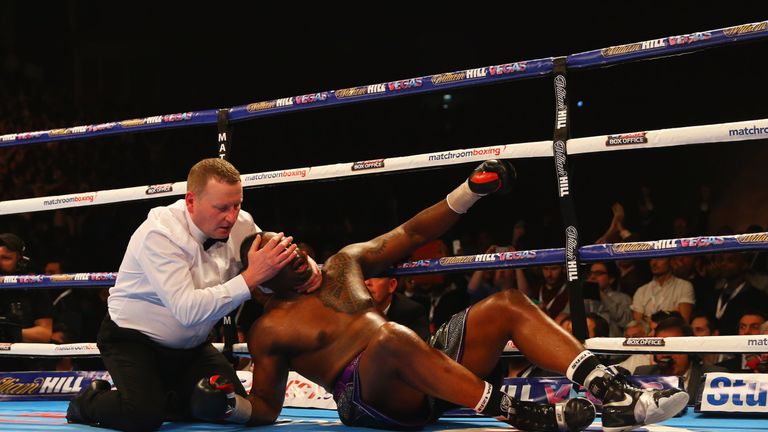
{"type": "Point", "coordinates": [154, 383]}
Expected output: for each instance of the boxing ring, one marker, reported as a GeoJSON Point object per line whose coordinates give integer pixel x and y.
{"type": "Point", "coordinates": [33, 410]}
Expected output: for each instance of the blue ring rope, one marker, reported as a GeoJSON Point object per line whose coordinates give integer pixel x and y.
{"type": "Point", "coordinates": [646, 50]}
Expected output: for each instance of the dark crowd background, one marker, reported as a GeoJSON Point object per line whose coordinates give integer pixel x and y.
{"type": "Point", "coordinates": [71, 63]}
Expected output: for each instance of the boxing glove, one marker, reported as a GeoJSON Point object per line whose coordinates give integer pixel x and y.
{"type": "Point", "coordinates": [492, 176]}
{"type": "Point", "coordinates": [213, 398]}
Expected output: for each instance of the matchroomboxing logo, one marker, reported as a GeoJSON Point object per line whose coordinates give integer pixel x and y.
{"type": "Point", "coordinates": [68, 200]}
{"type": "Point", "coordinates": [75, 347]}
{"type": "Point", "coordinates": [758, 342]}
{"type": "Point", "coordinates": [366, 165]}
{"type": "Point", "coordinates": [655, 342]}
{"type": "Point", "coordinates": [298, 172]}
{"type": "Point", "coordinates": [492, 151]}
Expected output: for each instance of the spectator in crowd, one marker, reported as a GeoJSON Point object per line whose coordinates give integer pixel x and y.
{"type": "Point", "coordinates": [397, 307]}
{"type": "Point", "coordinates": [749, 324]}
{"type": "Point", "coordinates": [733, 294]}
{"type": "Point", "coordinates": [440, 296]}
{"type": "Point", "coordinates": [25, 314]}
{"type": "Point", "coordinates": [761, 365]}
{"type": "Point", "coordinates": [637, 328]}
{"type": "Point", "coordinates": [634, 329]}
{"type": "Point", "coordinates": [616, 304]}
{"type": "Point", "coordinates": [664, 293]}
{"type": "Point", "coordinates": [636, 360]}
{"type": "Point", "coordinates": [690, 268]}
{"type": "Point", "coordinates": [631, 275]}
{"type": "Point", "coordinates": [703, 324]}
{"type": "Point", "coordinates": [597, 326]}
{"type": "Point", "coordinates": [483, 283]}
{"type": "Point", "coordinates": [687, 366]}
{"type": "Point", "coordinates": [551, 293]}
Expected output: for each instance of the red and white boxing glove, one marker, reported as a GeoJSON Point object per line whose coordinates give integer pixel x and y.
{"type": "Point", "coordinates": [492, 176]}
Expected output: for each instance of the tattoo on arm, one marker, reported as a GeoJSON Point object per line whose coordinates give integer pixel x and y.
{"type": "Point", "coordinates": [380, 245]}
{"type": "Point", "coordinates": [344, 289]}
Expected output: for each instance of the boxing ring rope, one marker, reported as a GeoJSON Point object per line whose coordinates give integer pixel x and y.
{"type": "Point", "coordinates": [655, 48]}
{"type": "Point", "coordinates": [603, 345]}
{"type": "Point", "coordinates": [689, 135]}
{"type": "Point", "coordinates": [734, 131]}
{"type": "Point", "coordinates": [646, 50]}
{"type": "Point", "coordinates": [493, 261]}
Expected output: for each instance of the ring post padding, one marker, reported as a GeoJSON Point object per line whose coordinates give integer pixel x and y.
{"type": "Point", "coordinates": [567, 210]}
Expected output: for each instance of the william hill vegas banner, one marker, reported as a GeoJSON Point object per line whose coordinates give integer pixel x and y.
{"type": "Point", "coordinates": [27, 386]}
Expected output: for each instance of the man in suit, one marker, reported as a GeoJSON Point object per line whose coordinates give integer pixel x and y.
{"type": "Point", "coordinates": [735, 293]}
{"type": "Point", "coordinates": [397, 307]}
{"type": "Point", "coordinates": [749, 324]}
{"type": "Point", "coordinates": [690, 368]}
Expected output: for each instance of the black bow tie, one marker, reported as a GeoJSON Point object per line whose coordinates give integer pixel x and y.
{"type": "Point", "coordinates": [212, 241]}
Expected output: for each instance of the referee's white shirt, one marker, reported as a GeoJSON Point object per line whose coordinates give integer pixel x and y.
{"type": "Point", "coordinates": [169, 287]}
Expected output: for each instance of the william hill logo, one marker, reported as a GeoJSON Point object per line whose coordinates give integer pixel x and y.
{"type": "Point", "coordinates": [41, 385]}
{"type": "Point", "coordinates": [643, 342]}
{"type": "Point", "coordinates": [366, 165]}
{"type": "Point", "coordinates": [752, 238]}
{"type": "Point", "coordinates": [14, 386]}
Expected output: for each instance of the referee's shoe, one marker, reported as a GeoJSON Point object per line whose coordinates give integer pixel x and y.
{"type": "Point", "coordinates": [75, 412]}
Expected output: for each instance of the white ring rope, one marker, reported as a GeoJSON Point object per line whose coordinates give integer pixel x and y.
{"type": "Point", "coordinates": [713, 133]}
{"type": "Point", "coordinates": [683, 344]}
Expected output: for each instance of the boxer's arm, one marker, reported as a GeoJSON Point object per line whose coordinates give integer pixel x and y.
{"type": "Point", "coordinates": [270, 374]}
{"type": "Point", "coordinates": [344, 273]}
{"type": "Point", "coordinates": [40, 332]}
{"type": "Point", "coordinates": [378, 254]}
